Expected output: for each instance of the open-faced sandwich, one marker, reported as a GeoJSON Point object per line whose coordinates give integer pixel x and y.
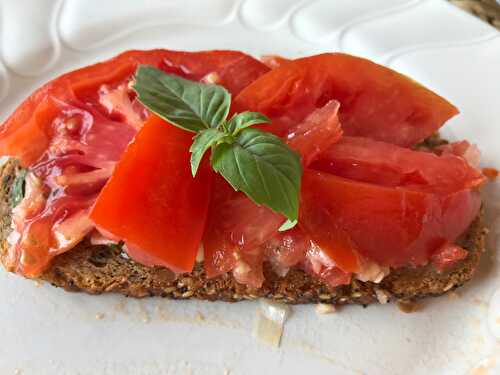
{"type": "Point", "coordinates": [217, 176]}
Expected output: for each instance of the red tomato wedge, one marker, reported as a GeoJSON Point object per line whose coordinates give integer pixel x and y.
{"type": "Point", "coordinates": [391, 226]}
{"type": "Point", "coordinates": [152, 202]}
{"type": "Point", "coordinates": [380, 163]}
{"type": "Point", "coordinates": [375, 102]}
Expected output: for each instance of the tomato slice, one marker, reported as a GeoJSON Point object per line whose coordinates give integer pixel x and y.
{"type": "Point", "coordinates": [375, 102]}
{"type": "Point", "coordinates": [63, 185]}
{"type": "Point", "coordinates": [363, 159]}
{"type": "Point", "coordinates": [428, 200]}
{"type": "Point", "coordinates": [391, 226]}
{"type": "Point", "coordinates": [152, 202]}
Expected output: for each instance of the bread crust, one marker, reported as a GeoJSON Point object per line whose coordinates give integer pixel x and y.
{"type": "Point", "coordinates": [99, 269]}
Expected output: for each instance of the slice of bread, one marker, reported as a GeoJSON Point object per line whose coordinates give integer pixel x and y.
{"type": "Point", "coordinates": [98, 269]}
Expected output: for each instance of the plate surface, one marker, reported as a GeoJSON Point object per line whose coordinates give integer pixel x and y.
{"type": "Point", "coordinates": [44, 330]}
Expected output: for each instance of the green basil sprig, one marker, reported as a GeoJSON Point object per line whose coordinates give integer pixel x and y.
{"type": "Point", "coordinates": [253, 161]}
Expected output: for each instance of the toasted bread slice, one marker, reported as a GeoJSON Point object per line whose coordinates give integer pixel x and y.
{"type": "Point", "coordinates": [98, 269]}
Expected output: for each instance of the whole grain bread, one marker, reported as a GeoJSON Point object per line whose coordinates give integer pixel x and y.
{"type": "Point", "coordinates": [100, 269]}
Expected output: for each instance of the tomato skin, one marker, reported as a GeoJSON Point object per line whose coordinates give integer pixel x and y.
{"type": "Point", "coordinates": [375, 102]}
{"type": "Point", "coordinates": [152, 201]}
{"type": "Point", "coordinates": [380, 163]}
{"type": "Point", "coordinates": [391, 226]}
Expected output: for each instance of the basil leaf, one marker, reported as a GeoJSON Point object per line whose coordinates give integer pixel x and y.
{"type": "Point", "coordinates": [202, 142]}
{"type": "Point", "coordinates": [17, 188]}
{"type": "Point", "coordinates": [264, 168]}
{"type": "Point", "coordinates": [189, 105]}
{"type": "Point", "coordinates": [244, 120]}
{"type": "Point", "coordinates": [288, 224]}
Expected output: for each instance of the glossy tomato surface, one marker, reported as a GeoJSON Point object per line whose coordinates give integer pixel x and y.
{"type": "Point", "coordinates": [152, 202]}
{"type": "Point", "coordinates": [391, 226]}
{"type": "Point", "coordinates": [375, 102]}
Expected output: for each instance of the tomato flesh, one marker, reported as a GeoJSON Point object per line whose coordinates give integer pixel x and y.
{"type": "Point", "coordinates": [162, 208]}
{"type": "Point", "coordinates": [463, 149]}
{"type": "Point", "coordinates": [235, 228]}
{"type": "Point", "coordinates": [294, 248]}
{"type": "Point", "coordinates": [316, 133]}
{"type": "Point", "coordinates": [391, 226]}
{"type": "Point", "coordinates": [82, 149]}
{"type": "Point", "coordinates": [375, 102]}
{"type": "Point", "coordinates": [380, 163]}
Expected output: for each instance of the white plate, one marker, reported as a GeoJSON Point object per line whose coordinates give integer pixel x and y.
{"type": "Point", "coordinates": [44, 330]}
